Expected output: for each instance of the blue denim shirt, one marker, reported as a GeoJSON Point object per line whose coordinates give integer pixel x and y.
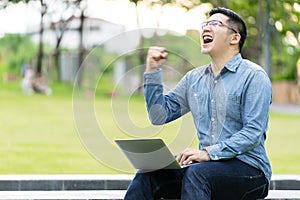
{"type": "Point", "coordinates": [230, 111]}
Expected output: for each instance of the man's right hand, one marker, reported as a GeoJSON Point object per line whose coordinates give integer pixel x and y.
{"type": "Point", "coordinates": [155, 58]}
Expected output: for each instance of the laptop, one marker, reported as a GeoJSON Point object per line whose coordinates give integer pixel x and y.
{"type": "Point", "coordinates": [148, 154]}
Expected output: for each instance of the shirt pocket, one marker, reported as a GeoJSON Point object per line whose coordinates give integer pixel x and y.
{"type": "Point", "coordinates": [233, 107]}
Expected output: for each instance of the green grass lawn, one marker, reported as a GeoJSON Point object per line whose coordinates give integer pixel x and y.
{"type": "Point", "coordinates": [39, 136]}
{"type": "Point", "coordinates": [283, 143]}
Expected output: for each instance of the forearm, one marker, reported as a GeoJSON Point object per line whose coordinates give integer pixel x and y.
{"type": "Point", "coordinates": [234, 146]}
{"type": "Point", "coordinates": [161, 108]}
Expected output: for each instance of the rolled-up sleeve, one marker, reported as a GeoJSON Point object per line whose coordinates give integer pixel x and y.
{"type": "Point", "coordinates": [162, 108]}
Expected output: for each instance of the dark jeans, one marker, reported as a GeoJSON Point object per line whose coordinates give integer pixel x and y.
{"type": "Point", "coordinates": [230, 179]}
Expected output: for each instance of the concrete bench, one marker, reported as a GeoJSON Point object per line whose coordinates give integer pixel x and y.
{"type": "Point", "coordinates": [104, 182]}
{"type": "Point", "coordinates": [64, 182]}
{"type": "Point", "coordinates": [283, 194]}
{"type": "Point", "coordinates": [106, 187]}
{"type": "Point", "coordinates": [285, 182]}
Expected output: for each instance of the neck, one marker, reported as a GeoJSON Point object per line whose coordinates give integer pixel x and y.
{"type": "Point", "coordinates": [218, 62]}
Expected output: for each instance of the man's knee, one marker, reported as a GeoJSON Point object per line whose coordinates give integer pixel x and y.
{"type": "Point", "coordinates": [197, 173]}
{"type": "Point", "coordinates": [202, 168]}
{"type": "Point", "coordinates": [196, 183]}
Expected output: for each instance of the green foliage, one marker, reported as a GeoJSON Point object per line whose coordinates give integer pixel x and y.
{"type": "Point", "coordinates": [16, 50]}
{"type": "Point", "coordinates": [105, 60]}
{"type": "Point", "coordinates": [282, 23]}
{"type": "Point", "coordinates": [278, 19]}
{"type": "Point", "coordinates": [284, 13]}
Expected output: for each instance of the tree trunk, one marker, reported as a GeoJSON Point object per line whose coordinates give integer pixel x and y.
{"type": "Point", "coordinates": [40, 54]}
{"type": "Point", "coordinates": [266, 47]}
{"type": "Point", "coordinates": [81, 49]}
{"type": "Point", "coordinates": [141, 53]}
{"type": "Point", "coordinates": [56, 56]}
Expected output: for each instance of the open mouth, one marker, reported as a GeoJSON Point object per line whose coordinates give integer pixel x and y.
{"type": "Point", "coordinates": [207, 39]}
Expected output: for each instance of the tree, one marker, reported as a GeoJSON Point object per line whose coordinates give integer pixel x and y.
{"type": "Point", "coordinates": [40, 55]}
{"type": "Point", "coordinates": [12, 45]}
{"type": "Point", "coordinates": [5, 3]}
{"type": "Point", "coordinates": [273, 31]}
{"type": "Point", "coordinates": [142, 51]}
{"type": "Point", "coordinates": [285, 15]}
{"type": "Point", "coordinates": [270, 24]}
{"type": "Point", "coordinates": [62, 13]}
{"type": "Point", "coordinates": [43, 10]}
{"type": "Point", "coordinates": [82, 6]}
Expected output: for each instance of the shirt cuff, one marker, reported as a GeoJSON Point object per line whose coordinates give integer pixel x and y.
{"type": "Point", "coordinates": [153, 77]}
{"type": "Point", "coordinates": [213, 151]}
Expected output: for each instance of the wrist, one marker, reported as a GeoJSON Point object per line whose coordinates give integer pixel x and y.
{"type": "Point", "coordinates": [204, 155]}
{"type": "Point", "coordinates": [150, 69]}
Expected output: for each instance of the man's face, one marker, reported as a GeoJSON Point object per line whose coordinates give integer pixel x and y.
{"type": "Point", "coordinates": [215, 35]}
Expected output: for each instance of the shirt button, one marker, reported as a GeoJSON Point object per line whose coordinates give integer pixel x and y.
{"type": "Point", "coordinates": [212, 119]}
{"type": "Point", "coordinates": [212, 100]}
{"type": "Point", "coordinates": [215, 81]}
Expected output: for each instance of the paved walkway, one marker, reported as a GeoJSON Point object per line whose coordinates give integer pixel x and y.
{"type": "Point", "coordinates": [286, 108]}
{"type": "Point", "coordinates": [112, 195]}
{"type": "Point", "coordinates": [69, 195]}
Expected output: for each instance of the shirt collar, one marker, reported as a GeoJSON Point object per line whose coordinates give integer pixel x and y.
{"type": "Point", "coordinates": [233, 64]}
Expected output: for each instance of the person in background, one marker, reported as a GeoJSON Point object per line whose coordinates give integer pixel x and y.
{"type": "Point", "coordinates": [27, 80]}
{"type": "Point", "coordinates": [40, 85]}
{"type": "Point", "coordinates": [229, 99]}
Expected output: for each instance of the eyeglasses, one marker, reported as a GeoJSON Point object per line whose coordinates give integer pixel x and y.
{"type": "Point", "coordinates": [215, 23]}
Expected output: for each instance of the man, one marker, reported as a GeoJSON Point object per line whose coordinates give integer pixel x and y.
{"type": "Point", "coordinates": [229, 99]}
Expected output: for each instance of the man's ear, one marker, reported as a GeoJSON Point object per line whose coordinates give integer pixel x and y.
{"type": "Point", "coordinates": [235, 39]}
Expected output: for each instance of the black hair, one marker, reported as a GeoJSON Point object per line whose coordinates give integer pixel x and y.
{"type": "Point", "coordinates": [234, 20]}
